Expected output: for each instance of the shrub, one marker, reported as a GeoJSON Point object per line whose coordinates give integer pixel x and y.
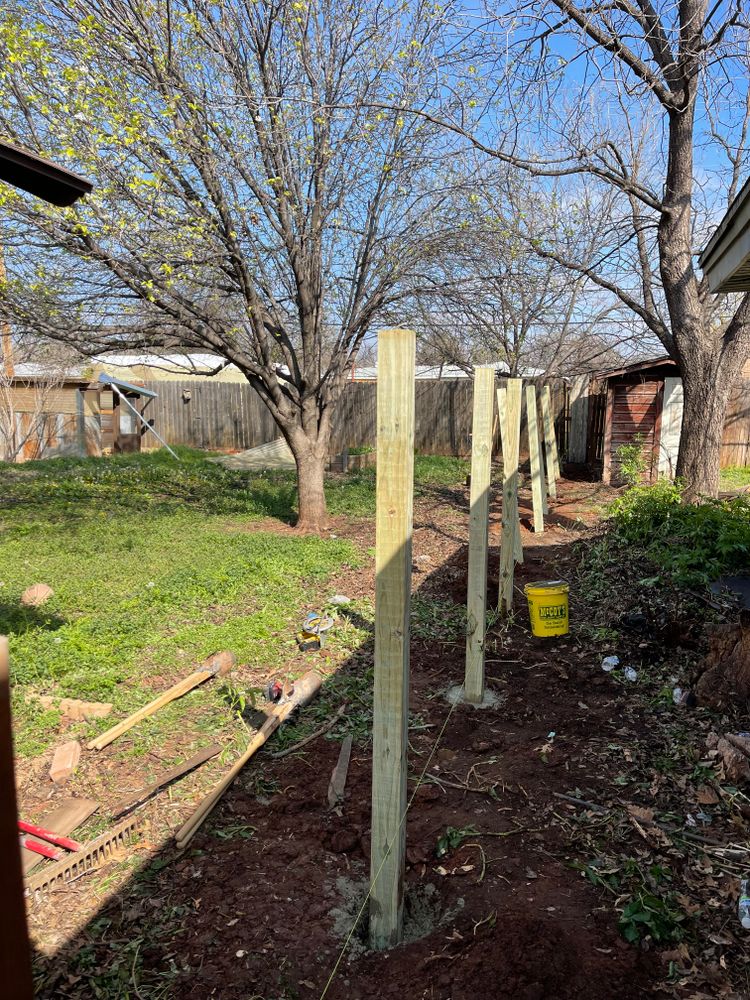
{"type": "Point", "coordinates": [632, 461]}
{"type": "Point", "coordinates": [692, 543]}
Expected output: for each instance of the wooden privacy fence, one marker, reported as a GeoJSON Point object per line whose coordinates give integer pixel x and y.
{"type": "Point", "coordinates": [231, 415]}
{"type": "Point", "coordinates": [735, 449]}
{"type": "Point", "coordinates": [221, 416]}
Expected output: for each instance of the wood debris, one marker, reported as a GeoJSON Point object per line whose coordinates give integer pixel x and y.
{"type": "Point", "coordinates": [337, 784]}
{"type": "Point", "coordinates": [65, 761]}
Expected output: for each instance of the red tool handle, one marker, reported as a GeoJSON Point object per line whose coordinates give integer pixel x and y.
{"type": "Point", "coordinates": [48, 835]}
{"type": "Point", "coordinates": [44, 849]}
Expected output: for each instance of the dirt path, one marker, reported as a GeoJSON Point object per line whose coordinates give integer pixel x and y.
{"type": "Point", "coordinates": [259, 907]}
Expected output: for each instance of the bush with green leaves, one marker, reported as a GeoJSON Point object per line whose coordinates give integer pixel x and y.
{"type": "Point", "coordinates": [632, 461]}
{"type": "Point", "coordinates": [691, 543]}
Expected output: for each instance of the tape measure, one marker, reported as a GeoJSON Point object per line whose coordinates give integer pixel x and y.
{"type": "Point", "coordinates": [312, 634]}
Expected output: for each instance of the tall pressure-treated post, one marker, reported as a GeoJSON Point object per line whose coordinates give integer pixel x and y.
{"type": "Point", "coordinates": [510, 517]}
{"type": "Point", "coordinates": [393, 530]}
{"type": "Point", "coordinates": [535, 459]}
{"type": "Point", "coordinates": [550, 443]}
{"type": "Point", "coordinates": [510, 490]}
{"type": "Point", "coordinates": [481, 474]}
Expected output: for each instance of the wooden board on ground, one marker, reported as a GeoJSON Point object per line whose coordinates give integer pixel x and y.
{"type": "Point", "coordinates": [166, 779]}
{"type": "Point", "coordinates": [337, 784]}
{"type": "Point", "coordinates": [68, 816]}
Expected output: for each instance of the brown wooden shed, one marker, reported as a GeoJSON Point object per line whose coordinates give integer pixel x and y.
{"type": "Point", "coordinates": [635, 412]}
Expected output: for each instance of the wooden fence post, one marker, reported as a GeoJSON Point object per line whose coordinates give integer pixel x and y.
{"type": "Point", "coordinates": [577, 449]}
{"type": "Point", "coordinates": [550, 443]}
{"type": "Point", "coordinates": [510, 491]}
{"type": "Point", "coordinates": [393, 532]}
{"type": "Point", "coordinates": [535, 458]}
{"type": "Point", "coordinates": [512, 512]}
{"type": "Point", "coordinates": [481, 474]}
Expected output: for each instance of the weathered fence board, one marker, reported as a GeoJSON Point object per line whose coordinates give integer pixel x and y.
{"type": "Point", "coordinates": [736, 444]}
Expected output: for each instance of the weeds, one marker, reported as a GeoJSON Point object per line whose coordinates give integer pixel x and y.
{"type": "Point", "coordinates": [735, 478]}
{"type": "Point", "coordinates": [690, 543]}
{"type": "Point", "coordinates": [657, 917]}
{"type": "Point", "coordinates": [647, 907]}
{"type": "Point", "coordinates": [437, 620]}
{"type": "Point", "coordinates": [453, 838]}
{"type": "Point", "coordinates": [632, 461]}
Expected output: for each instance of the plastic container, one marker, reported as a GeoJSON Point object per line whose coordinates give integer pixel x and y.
{"type": "Point", "coordinates": [743, 905]}
{"type": "Point", "coordinates": [548, 607]}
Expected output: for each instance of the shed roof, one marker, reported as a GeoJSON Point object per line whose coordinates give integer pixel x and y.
{"type": "Point", "coordinates": [119, 383]}
{"type": "Point", "coordinates": [664, 361]}
{"type": "Point", "coordinates": [24, 169]}
{"type": "Point", "coordinates": [726, 257]}
{"type": "Point", "coordinates": [22, 376]}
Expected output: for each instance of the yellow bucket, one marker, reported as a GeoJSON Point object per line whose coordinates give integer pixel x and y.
{"type": "Point", "coordinates": [548, 607]}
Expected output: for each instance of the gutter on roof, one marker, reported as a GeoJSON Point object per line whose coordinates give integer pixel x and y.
{"type": "Point", "coordinates": [725, 258]}
{"type": "Point", "coordinates": [704, 257]}
{"type": "Point", "coordinates": [636, 366]}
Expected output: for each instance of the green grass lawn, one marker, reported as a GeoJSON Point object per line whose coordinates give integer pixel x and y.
{"type": "Point", "coordinates": [735, 478]}
{"type": "Point", "coordinates": [153, 568]}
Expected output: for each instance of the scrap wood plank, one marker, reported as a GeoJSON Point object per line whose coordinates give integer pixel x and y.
{"type": "Point", "coordinates": [69, 815]}
{"type": "Point", "coordinates": [167, 778]}
{"type": "Point", "coordinates": [337, 784]}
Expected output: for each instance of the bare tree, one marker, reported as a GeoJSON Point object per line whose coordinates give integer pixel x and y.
{"type": "Point", "coordinates": [249, 200]}
{"type": "Point", "coordinates": [28, 414]}
{"type": "Point", "coordinates": [488, 295]}
{"type": "Point", "coordinates": [644, 100]}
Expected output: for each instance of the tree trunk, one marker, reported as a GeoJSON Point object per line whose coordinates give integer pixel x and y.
{"type": "Point", "coordinates": [709, 366]}
{"type": "Point", "coordinates": [311, 457]}
{"type": "Point", "coordinates": [704, 413]}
